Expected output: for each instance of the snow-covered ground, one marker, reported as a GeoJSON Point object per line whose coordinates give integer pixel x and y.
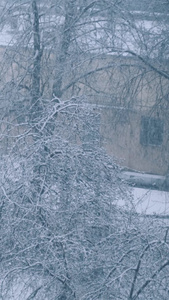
{"type": "Point", "coordinates": [151, 202]}
{"type": "Point", "coordinates": [6, 39]}
{"type": "Point", "coordinates": [149, 196]}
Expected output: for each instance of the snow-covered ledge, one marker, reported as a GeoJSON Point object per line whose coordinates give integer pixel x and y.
{"type": "Point", "coordinates": [144, 180]}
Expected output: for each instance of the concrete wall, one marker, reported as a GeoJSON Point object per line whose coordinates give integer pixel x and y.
{"type": "Point", "coordinates": [122, 140]}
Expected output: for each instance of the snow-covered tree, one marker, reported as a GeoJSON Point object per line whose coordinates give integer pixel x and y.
{"type": "Point", "coordinates": [59, 194]}
{"type": "Point", "coordinates": [69, 229]}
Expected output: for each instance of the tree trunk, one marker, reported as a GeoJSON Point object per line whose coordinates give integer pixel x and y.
{"type": "Point", "coordinates": [37, 52]}
{"type": "Point", "coordinates": [66, 38]}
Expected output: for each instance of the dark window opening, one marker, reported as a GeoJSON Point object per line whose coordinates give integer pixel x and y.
{"type": "Point", "coordinates": [151, 131]}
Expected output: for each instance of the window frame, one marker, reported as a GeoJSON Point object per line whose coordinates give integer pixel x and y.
{"type": "Point", "coordinates": [151, 131]}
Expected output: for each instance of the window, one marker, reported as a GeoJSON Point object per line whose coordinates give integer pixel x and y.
{"type": "Point", "coordinates": [151, 131]}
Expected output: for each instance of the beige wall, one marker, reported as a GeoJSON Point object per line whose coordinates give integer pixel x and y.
{"type": "Point", "coordinates": [122, 141]}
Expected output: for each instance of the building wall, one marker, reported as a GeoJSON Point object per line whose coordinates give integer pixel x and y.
{"type": "Point", "coordinates": [123, 141]}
